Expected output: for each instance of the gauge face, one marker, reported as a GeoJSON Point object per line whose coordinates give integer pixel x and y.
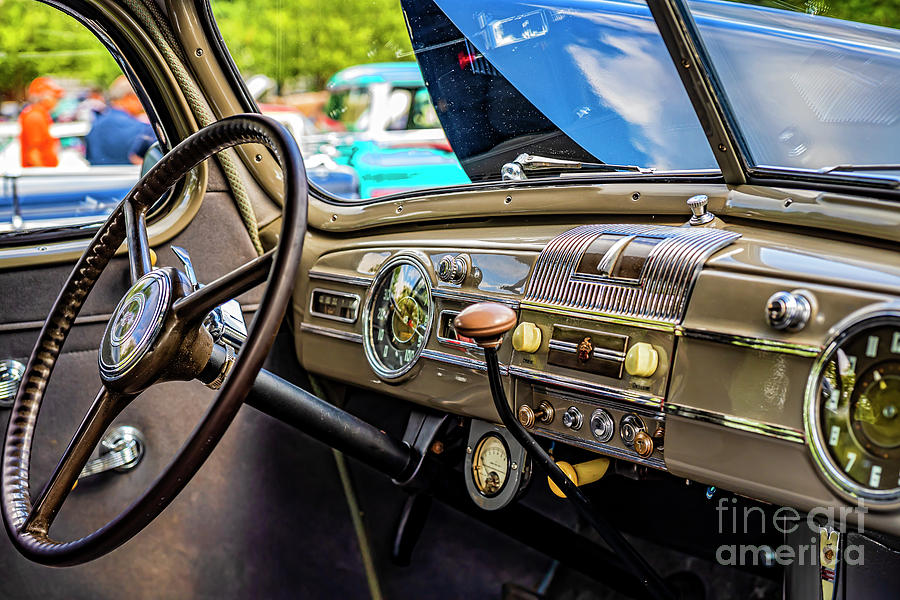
{"type": "Point", "coordinates": [490, 465]}
{"type": "Point", "coordinates": [398, 318]}
{"type": "Point", "coordinates": [856, 413]}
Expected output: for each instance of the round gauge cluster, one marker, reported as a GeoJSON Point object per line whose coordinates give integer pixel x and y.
{"type": "Point", "coordinates": [397, 317]}
{"type": "Point", "coordinates": [853, 409]}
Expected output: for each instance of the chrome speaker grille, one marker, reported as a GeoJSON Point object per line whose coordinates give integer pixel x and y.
{"type": "Point", "coordinates": [661, 293]}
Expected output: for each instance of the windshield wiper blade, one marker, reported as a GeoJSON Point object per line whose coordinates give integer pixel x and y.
{"type": "Point", "coordinates": [851, 168]}
{"type": "Point", "coordinates": [517, 170]}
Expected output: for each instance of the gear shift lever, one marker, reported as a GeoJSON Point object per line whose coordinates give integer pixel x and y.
{"type": "Point", "coordinates": [486, 323]}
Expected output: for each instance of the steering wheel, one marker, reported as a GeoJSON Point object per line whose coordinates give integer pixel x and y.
{"type": "Point", "coordinates": [155, 334]}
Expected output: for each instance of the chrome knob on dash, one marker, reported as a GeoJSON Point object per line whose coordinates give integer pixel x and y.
{"type": "Point", "coordinates": [699, 214]}
{"type": "Point", "coordinates": [788, 311]}
{"type": "Point", "coordinates": [572, 418]}
{"type": "Point", "coordinates": [528, 416]}
{"type": "Point", "coordinates": [453, 269]}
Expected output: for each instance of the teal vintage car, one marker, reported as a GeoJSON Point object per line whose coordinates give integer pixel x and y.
{"type": "Point", "coordinates": [388, 130]}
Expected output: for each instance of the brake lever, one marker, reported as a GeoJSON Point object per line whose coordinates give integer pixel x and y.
{"type": "Point", "coordinates": [486, 323]}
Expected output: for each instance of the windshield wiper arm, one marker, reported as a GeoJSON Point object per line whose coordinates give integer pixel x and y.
{"type": "Point", "coordinates": [517, 169]}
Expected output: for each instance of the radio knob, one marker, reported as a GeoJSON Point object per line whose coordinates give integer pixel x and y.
{"type": "Point", "coordinates": [526, 337]}
{"type": "Point", "coordinates": [788, 311]}
{"type": "Point", "coordinates": [643, 444]}
{"type": "Point", "coordinates": [528, 416]}
{"type": "Point", "coordinates": [453, 269]}
{"type": "Point", "coordinates": [602, 425]}
{"type": "Point", "coordinates": [572, 418]}
{"type": "Point", "coordinates": [641, 360]}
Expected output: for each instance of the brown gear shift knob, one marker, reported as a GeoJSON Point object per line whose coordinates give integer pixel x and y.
{"type": "Point", "coordinates": [485, 322]}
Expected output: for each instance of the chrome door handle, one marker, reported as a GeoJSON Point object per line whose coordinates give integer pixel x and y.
{"type": "Point", "coordinates": [121, 450]}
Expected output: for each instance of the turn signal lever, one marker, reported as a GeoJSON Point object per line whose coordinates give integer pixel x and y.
{"type": "Point", "coordinates": [486, 323]}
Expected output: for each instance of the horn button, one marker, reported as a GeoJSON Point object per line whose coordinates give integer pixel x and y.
{"type": "Point", "coordinates": [135, 326]}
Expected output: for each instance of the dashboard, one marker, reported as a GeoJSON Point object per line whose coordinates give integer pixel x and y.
{"type": "Point", "coordinates": [762, 362]}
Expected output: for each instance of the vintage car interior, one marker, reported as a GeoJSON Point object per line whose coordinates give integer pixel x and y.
{"type": "Point", "coordinates": [571, 378]}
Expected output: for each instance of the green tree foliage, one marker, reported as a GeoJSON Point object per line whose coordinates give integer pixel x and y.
{"type": "Point", "coordinates": [36, 39]}
{"type": "Point", "coordinates": [885, 13]}
{"type": "Point", "coordinates": [301, 43]}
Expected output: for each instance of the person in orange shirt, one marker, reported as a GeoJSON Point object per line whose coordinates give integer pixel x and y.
{"type": "Point", "coordinates": [39, 148]}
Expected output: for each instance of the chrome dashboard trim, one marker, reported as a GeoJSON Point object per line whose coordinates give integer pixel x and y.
{"type": "Point", "coordinates": [762, 344]}
{"type": "Point", "coordinates": [586, 386]}
{"type": "Point", "coordinates": [667, 279]}
{"type": "Point", "coordinates": [470, 297]}
{"type": "Point", "coordinates": [598, 353]}
{"type": "Point", "coordinates": [459, 361]}
{"type": "Point", "coordinates": [787, 434]}
{"type": "Point", "coordinates": [598, 316]}
{"type": "Point", "coordinates": [312, 295]}
{"type": "Point", "coordinates": [341, 278]}
{"type": "Point", "coordinates": [656, 463]}
{"type": "Point", "coordinates": [349, 336]}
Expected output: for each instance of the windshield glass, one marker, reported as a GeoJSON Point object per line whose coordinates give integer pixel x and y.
{"type": "Point", "coordinates": [811, 85]}
{"type": "Point", "coordinates": [448, 95]}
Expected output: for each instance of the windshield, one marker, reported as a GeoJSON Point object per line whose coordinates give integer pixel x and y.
{"type": "Point", "coordinates": [811, 86]}
{"type": "Point", "coordinates": [449, 94]}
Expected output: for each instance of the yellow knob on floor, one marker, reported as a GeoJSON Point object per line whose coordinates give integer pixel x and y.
{"type": "Point", "coordinates": [641, 360]}
{"type": "Point", "coordinates": [526, 337]}
{"type": "Point", "coordinates": [581, 474]}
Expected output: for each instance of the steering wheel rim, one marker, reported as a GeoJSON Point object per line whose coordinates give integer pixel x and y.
{"type": "Point", "coordinates": [178, 337]}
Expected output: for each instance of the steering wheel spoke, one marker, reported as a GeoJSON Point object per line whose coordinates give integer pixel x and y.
{"type": "Point", "coordinates": [196, 305]}
{"type": "Point", "coordinates": [105, 408]}
{"type": "Point", "coordinates": [136, 239]}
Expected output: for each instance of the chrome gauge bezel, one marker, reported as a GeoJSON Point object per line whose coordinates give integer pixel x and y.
{"type": "Point", "coordinates": [832, 474]}
{"type": "Point", "coordinates": [394, 375]}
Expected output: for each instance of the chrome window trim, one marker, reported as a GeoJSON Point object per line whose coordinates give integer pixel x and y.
{"type": "Point", "coordinates": [781, 432]}
{"type": "Point", "coordinates": [586, 386]}
{"type": "Point", "coordinates": [755, 343]}
{"type": "Point", "coordinates": [348, 336]}
{"type": "Point", "coordinates": [335, 293]}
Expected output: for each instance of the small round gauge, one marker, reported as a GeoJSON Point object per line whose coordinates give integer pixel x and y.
{"type": "Point", "coordinates": [853, 410]}
{"type": "Point", "coordinates": [397, 317]}
{"type": "Point", "coordinates": [490, 465]}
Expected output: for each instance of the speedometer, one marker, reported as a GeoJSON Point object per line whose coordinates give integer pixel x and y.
{"type": "Point", "coordinates": [397, 317]}
{"type": "Point", "coordinates": [853, 409]}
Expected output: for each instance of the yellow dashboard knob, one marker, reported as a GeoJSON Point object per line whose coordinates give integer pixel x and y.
{"type": "Point", "coordinates": [526, 337]}
{"type": "Point", "coordinates": [641, 360]}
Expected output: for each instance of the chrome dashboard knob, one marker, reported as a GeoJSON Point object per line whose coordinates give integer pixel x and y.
{"type": "Point", "coordinates": [572, 418]}
{"type": "Point", "coordinates": [699, 214]}
{"type": "Point", "coordinates": [453, 269]}
{"type": "Point", "coordinates": [788, 311]}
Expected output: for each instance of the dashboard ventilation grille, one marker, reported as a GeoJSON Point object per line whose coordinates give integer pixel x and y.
{"type": "Point", "coordinates": [658, 292]}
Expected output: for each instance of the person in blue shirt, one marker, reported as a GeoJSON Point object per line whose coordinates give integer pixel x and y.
{"type": "Point", "coordinates": [117, 136]}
